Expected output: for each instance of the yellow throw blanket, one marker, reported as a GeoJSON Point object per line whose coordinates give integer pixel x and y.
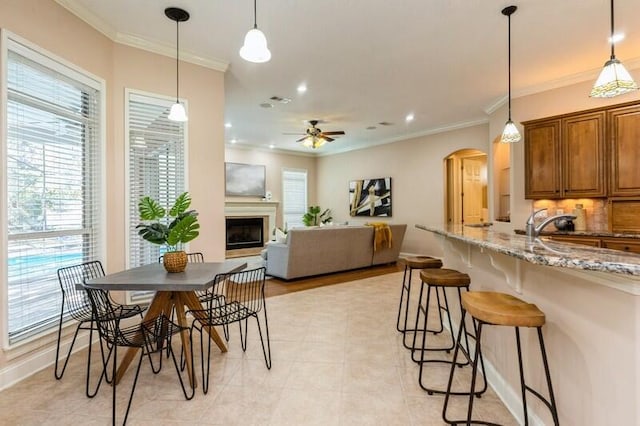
{"type": "Point", "coordinates": [381, 235]}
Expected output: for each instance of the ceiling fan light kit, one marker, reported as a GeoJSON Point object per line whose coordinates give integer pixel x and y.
{"type": "Point", "coordinates": [177, 112]}
{"type": "Point", "coordinates": [314, 137]}
{"type": "Point", "coordinates": [255, 43]}
{"type": "Point", "coordinates": [510, 134]}
{"type": "Point", "coordinates": [614, 79]}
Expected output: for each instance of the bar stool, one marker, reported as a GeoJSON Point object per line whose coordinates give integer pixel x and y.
{"type": "Point", "coordinates": [491, 308]}
{"type": "Point", "coordinates": [440, 279]}
{"type": "Point", "coordinates": [411, 263]}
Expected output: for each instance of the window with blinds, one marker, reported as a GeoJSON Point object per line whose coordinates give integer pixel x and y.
{"type": "Point", "coordinates": [156, 168]}
{"type": "Point", "coordinates": [294, 197]}
{"type": "Point", "coordinates": [53, 170]}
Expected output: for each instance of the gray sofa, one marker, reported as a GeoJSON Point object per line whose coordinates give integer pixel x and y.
{"type": "Point", "coordinates": [322, 250]}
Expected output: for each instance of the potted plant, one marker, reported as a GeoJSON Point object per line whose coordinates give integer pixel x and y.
{"type": "Point", "coordinates": [313, 217]}
{"type": "Point", "coordinates": [182, 227]}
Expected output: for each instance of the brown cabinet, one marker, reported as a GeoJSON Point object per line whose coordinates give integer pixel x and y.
{"type": "Point", "coordinates": [565, 157]}
{"type": "Point", "coordinates": [587, 241]}
{"type": "Point", "coordinates": [542, 159]}
{"type": "Point", "coordinates": [624, 134]}
{"type": "Point", "coordinates": [624, 244]}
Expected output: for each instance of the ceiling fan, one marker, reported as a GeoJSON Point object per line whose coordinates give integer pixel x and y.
{"type": "Point", "coordinates": [315, 137]}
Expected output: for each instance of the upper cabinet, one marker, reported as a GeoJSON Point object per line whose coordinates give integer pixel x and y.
{"type": "Point", "coordinates": [624, 134]}
{"type": "Point", "coordinates": [587, 154]}
{"type": "Point", "coordinates": [565, 157]}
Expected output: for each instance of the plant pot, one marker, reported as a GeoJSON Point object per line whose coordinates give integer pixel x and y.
{"type": "Point", "coordinates": [175, 261]}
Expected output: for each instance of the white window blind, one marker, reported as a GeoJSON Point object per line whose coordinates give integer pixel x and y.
{"type": "Point", "coordinates": [156, 168]}
{"type": "Point", "coordinates": [294, 197]}
{"type": "Point", "coordinates": [53, 183]}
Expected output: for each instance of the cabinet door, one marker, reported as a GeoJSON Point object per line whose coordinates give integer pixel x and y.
{"type": "Point", "coordinates": [628, 245]}
{"type": "Point", "coordinates": [542, 160]}
{"type": "Point", "coordinates": [624, 133]}
{"type": "Point", "coordinates": [583, 162]}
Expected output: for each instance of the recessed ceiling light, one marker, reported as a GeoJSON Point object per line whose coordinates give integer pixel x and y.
{"type": "Point", "coordinates": [272, 146]}
{"type": "Point", "coordinates": [616, 38]}
{"type": "Point", "coordinates": [266, 105]}
{"type": "Point", "coordinates": [409, 118]}
{"type": "Point", "coordinates": [233, 141]}
{"type": "Point", "coordinates": [227, 125]}
{"type": "Point", "coordinates": [302, 88]}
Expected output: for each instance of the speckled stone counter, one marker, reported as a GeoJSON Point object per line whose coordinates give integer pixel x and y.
{"type": "Point", "coordinates": [548, 253]}
{"type": "Point", "coordinates": [604, 234]}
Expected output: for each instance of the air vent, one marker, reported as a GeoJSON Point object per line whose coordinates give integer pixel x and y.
{"type": "Point", "coordinates": [385, 123]}
{"type": "Point", "coordinates": [371, 128]}
{"type": "Point", "coordinates": [266, 105]}
{"type": "Point", "coordinates": [280, 99]}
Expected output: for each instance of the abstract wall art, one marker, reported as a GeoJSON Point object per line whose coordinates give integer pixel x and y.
{"type": "Point", "coordinates": [370, 197]}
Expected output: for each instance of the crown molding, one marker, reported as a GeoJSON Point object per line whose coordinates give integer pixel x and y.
{"type": "Point", "coordinates": [138, 42]}
{"type": "Point", "coordinates": [592, 74]}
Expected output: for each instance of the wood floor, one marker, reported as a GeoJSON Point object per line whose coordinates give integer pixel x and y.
{"type": "Point", "coordinates": [277, 286]}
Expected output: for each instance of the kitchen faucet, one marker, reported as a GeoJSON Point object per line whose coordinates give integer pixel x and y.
{"type": "Point", "coordinates": [533, 231]}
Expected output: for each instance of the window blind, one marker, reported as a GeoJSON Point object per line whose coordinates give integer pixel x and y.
{"type": "Point", "coordinates": [294, 197]}
{"type": "Point", "coordinates": [53, 183]}
{"type": "Point", "coordinates": [156, 168]}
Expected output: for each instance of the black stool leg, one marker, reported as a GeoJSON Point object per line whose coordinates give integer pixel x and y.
{"type": "Point", "coordinates": [522, 384]}
{"type": "Point", "coordinates": [475, 370]}
{"type": "Point", "coordinates": [406, 287]}
{"type": "Point", "coordinates": [552, 407]}
{"type": "Point", "coordinates": [448, 392]}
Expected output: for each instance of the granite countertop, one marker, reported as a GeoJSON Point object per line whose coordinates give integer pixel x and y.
{"type": "Point", "coordinates": [548, 253]}
{"type": "Point", "coordinates": [605, 234]}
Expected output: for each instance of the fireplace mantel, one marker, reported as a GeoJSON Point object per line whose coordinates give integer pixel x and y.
{"type": "Point", "coordinates": [254, 208]}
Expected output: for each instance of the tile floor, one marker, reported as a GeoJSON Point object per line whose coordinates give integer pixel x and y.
{"type": "Point", "coordinates": [337, 360]}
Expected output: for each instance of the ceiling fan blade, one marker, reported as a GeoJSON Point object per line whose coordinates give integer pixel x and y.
{"type": "Point", "coordinates": [337, 132]}
{"type": "Point", "coordinates": [301, 139]}
{"type": "Point", "coordinates": [328, 139]}
{"type": "Point", "coordinates": [294, 133]}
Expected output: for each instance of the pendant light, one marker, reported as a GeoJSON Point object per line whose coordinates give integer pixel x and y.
{"type": "Point", "coordinates": [177, 112]}
{"type": "Point", "coordinates": [510, 133]}
{"type": "Point", "coordinates": [614, 79]}
{"type": "Point", "coordinates": [255, 43]}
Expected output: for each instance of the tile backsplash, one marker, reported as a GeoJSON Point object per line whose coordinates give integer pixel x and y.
{"type": "Point", "coordinates": [596, 210]}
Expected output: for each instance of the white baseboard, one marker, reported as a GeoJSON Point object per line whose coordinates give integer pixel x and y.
{"type": "Point", "coordinates": [38, 361]}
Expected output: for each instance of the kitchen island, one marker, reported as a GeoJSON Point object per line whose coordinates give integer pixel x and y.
{"type": "Point", "coordinates": [591, 300]}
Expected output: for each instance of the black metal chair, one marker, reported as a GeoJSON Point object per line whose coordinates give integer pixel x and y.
{"type": "Point", "coordinates": [240, 296]}
{"type": "Point", "coordinates": [150, 336]}
{"type": "Point", "coordinates": [78, 306]}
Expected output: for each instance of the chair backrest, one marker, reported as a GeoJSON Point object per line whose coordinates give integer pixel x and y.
{"type": "Point", "coordinates": [77, 301]}
{"type": "Point", "coordinates": [108, 317]}
{"type": "Point", "coordinates": [195, 257]}
{"type": "Point", "coordinates": [244, 287]}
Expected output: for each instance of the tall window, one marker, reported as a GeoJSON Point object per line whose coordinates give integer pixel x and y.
{"type": "Point", "coordinates": [52, 160]}
{"type": "Point", "coordinates": [294, 196]}
{"type": "Point", "coordinates": [156, 166]}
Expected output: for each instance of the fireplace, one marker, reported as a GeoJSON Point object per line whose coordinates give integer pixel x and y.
{"type": "Point", "coordinates": [244, 232]}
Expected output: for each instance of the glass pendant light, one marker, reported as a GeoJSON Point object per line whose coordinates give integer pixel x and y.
{"type": "Point", "coordinates": [510, 133]}
{"type": "Point", "coordinates": [255, 43]}
{"type": "Point", "coordinates": [614, 79]}
{"type": "Point", "coordinates": [177, 112]}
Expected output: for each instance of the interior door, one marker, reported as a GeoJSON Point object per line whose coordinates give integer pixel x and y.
{"type": "Point", "coordinates": [472, 190]}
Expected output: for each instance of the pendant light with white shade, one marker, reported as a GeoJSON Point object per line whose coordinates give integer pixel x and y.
{"type": "Point", "coordinates": [255, 43]}
{"type": "Point", "coordinates": [510, 133]}
{"type": "Point", "coordinates": [614, 79]}
{"type": "Point", "coordinates": [177, 112]}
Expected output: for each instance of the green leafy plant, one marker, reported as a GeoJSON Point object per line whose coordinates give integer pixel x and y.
{"type": "Point", "coordinates": [183, 224]}
{"type": "Point", "coordinates": [313, 217]}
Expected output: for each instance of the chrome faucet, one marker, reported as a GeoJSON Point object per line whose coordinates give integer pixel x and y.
{"type": "Point", "coordinates": [533, 231]}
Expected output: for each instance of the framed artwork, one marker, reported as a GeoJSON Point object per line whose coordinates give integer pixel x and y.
{"type": "Point", "coordinates": [245, 180]}
{"type": "Point", "coordinates": [370, 197]}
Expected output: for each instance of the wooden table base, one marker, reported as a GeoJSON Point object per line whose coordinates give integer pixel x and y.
{"type": "Point", "coordinates": [163, 303]}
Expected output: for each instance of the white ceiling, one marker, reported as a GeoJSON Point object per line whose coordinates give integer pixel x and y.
{"type": "Point", "coordinates": [369, 61]}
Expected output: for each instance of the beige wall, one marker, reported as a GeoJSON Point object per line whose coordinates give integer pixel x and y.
{"type": "Point", "coordinates": [274, 162]}
{"type": "Point", "coordinates": [416, 168]}
{"type": "Point", "coordinates": [49, 26]}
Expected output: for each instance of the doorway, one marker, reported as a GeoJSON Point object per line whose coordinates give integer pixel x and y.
{"type": "Point", "coordinates": [466, 187]}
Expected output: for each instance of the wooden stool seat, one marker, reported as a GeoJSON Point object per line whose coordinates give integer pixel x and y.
{"type": "Point", "coordinates": [421, 262]}
{"type": "Point", "coordinates": [445, 277]}
{"type": "Point", "coordinates": [502, 309]}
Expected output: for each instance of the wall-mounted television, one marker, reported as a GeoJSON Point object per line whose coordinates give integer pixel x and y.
{"type": "Point", "coordinates": [244, 180]}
